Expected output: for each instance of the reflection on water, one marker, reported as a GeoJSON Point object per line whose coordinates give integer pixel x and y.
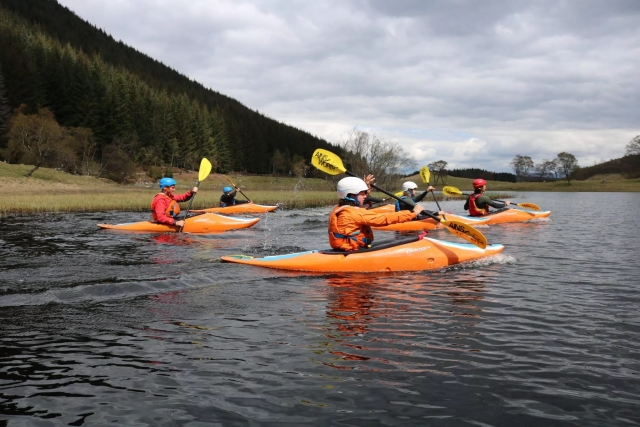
{"type": "Point", "coordinates": [103, 328]}
{"type": "Point", "coordinates": [369, 315]}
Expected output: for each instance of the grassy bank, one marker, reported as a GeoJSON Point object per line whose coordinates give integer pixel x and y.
{"type": "Point", "coordinates": [49, 190]}
{"type": "Point", "coordinates": [598, 183]}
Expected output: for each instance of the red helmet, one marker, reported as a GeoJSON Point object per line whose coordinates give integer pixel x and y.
{"type": "Point", "coordinates": [479, 183]}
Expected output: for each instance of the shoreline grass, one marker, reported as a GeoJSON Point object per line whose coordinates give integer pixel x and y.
{"type": "Point", "coordinates": [53, 191]}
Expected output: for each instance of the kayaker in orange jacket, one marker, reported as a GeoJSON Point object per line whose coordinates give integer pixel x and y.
{"type": "Point", "coordinates": [164, 207]}
{"type": "Point", "coordinates": [350, 223]}
{"type": "Point", "coordinates": [478, 204]}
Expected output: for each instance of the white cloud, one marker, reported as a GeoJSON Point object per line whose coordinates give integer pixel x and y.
{"type": "Point", "coordinates": [471, 83]}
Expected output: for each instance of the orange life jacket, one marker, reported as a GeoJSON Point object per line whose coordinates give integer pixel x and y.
{"type": "Point", "coordinates": [361, 238]}
{"type": "Point", "coordinates": [475, 210]}
{"type": "Point", "coordinates": [172, 210]}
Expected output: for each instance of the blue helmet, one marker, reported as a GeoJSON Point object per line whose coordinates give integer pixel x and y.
{"type": "Point", "coordinates": [167, 182]}
{"type": "Point", "coordinates": [227, 189]}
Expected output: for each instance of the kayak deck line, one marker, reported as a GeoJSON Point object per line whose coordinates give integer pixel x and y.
{"type": "Point", "coordinates": [407, 255]}
{"type": "Point", "coordinates": [431, 224]}
{"type": "Point", "coordinates": [201, 223]}
{"type": "Point", "coordinates": [243, 208]}
{"type": "Point", "coordinates": [510, 215]}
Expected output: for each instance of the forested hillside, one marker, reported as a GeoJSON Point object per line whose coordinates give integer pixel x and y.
{"type": "Point", "coordinates": [628, 166]}
{"type": "Point", "coordinates": [132, 104]}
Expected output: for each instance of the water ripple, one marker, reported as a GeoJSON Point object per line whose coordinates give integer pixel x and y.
{"type": "Point", "coordinates": [133, 329]}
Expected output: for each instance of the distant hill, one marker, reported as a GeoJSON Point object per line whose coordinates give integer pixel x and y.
{"type": "Point", "coordinates": [474, 173]}
{"type": "Point", "coordinates": [627, 166]}
{"type": "Point", "coordinates": [49, 57]}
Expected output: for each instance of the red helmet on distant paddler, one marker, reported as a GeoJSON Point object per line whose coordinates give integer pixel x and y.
{"type": "Point", "coordinates": [479, 183]}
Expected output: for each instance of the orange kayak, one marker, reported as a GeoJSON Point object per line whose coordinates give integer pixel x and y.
{"type": "Point", "coordinates": [513, 215]}
{"type": "Point", "coordinates": [413, 255]}
{"type": "Point", "coordinates": [431, 224]}
{"type": "Point", "coordinates": [205, 223]}
{"type": "Point", "coordinates": [238, 209]}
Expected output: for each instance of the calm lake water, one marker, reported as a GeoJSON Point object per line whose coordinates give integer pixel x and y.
{"type": "Point", "coordinates": [111, 328]}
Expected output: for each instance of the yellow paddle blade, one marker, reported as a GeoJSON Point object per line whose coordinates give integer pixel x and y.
{"type": "Point", "coordinates": [425, 174]}
{"type": "Point", "coordinates": [327, 162]}
{"type": "Point", "coordinates": [531, 206]}
{"type": "Point", "coordinates": [229, 179]}
{"type": "Point", "coordinates": [205, 169]}
{"type": "Point", "coordinates": [399, 193]}
{"type": "Point", "coordinates": [451, 191]}
{"type": "Point", "coordinates": [467, 232]}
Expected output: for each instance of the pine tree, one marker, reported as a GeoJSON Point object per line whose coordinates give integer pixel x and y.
{"type": "Point", "coordinates": [5, 111]}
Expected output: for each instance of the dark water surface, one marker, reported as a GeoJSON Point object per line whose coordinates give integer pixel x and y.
{"type": "Point", "coordinates": [111, 328]}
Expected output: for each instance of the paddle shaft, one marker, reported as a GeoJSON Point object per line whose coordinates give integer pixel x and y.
{"type": "Point", "coordinates": [434, 198]}
{"type": "Point", "coordinates": [245, 196]}
{"type": "Point", "coordinates": [437, 204]}
{"type": "Point", "coordinates": [189, 207]}
{"type": "Point", "coordinates": [495, 200]}
{"type": "Point", "coordinates": [459, 229]}
{"type": "Point", "coordinates": [423, 213]}
{"type": "Point", "coordinates": [425, 173]}
{"type": "Point", "coordinates": [236, 187]}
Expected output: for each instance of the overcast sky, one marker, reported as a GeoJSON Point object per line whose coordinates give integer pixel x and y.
{"type": "Point", "coordinates": [470, 82]}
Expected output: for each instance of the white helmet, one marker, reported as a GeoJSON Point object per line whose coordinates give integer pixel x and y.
{"type": "Point", "coordinates": [409, 185]}
{"type": "Point", "coordinates": [350, 185]}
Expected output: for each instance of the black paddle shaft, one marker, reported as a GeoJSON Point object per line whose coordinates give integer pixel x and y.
{"type": "Point", "coordinates": [495, 200]}
{"type": "Point", "coordinates": [406, 202]}
{"type": "Point", "coordinates": [186, 214]}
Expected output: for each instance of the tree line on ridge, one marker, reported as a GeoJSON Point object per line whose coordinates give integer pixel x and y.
{"type": "Point", "coordinates": [119, 104]}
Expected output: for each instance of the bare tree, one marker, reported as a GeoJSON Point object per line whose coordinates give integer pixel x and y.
{"type": "Point", "coordinates": [278, 162]}
{"type": "Point", "coordinates": [544, 168]}
{"type": "Point", "coordinates": [633, 147]}
{"type": "Point", "coordinates": [521, 165]}
{"type": "Point", "coordinates": [35, 136]}
{"type": "Point", "coordinates": [76, 151]}
{"type": "Point", "coordinates": [116, 164]}
{"type": "Point", "coordinates": [567, 164]}
{"type": "Point", "coordinates": [367, 154]}
{"type": "Point", "coordinates": [439, 169]}
{"type": "Point", "coordinates": [555, 168]}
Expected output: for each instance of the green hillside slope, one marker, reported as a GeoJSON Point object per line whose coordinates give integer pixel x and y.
{"type": "Point", "coordinates": [49, 57]}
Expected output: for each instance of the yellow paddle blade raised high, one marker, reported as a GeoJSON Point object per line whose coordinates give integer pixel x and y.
{"type": "Point", "coordinates": [203, 173]}
{"type": "Point", "coordinates": [327, 162]}
{"type": "Point", "coordinates": [205, 169]}
{"type": "Point", "coordinates": [425, 174]}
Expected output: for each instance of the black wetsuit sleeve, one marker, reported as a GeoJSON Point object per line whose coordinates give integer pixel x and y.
{"type": "Point", "coordinates": [421, 196]}
{"type": "Point", "coordinates": [496, 204]}
{"type": "Point", "coordinates": [466, 205]}
{"type": "Point", "coordinates": [425, 214]}
{"type": "Point", "coordinates": [372, 200]}
{"type": "Point", "coordinates": [483, 201]}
